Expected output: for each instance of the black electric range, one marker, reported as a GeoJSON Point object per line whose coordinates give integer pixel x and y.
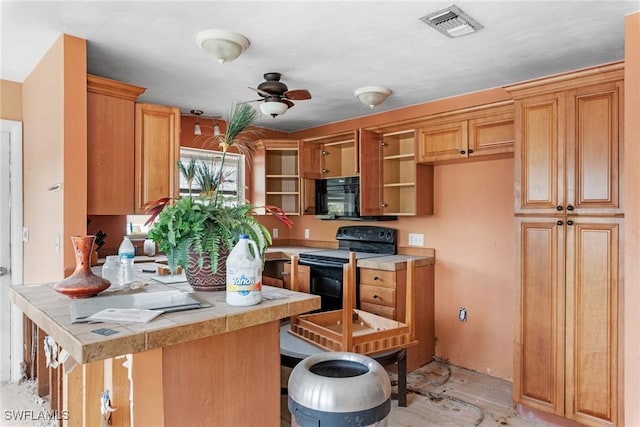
{"type": "Point", "coordinates": [366, 241]}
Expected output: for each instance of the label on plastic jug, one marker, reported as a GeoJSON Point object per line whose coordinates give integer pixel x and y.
{"type": "Point", "coordinates": [243, 282]}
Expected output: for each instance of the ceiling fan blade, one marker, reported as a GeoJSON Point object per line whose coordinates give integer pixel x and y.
{"type": "Point", "coordinates": [297, 94]}
{"type": "Point", "coordinates": [260, 91]}
{"type": "Point", "coordinates": [289, 103]}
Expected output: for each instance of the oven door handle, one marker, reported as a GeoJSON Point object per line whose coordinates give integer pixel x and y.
{"type": "Point", "coordinates": [313, 263]}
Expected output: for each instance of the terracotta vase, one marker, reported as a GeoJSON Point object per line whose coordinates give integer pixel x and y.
{"type": "Point", "coordinates": [202, 278]}
{"type": "Point", "coordinates": [82, 283]}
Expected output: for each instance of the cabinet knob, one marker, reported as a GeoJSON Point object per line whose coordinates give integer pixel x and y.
{"type": "Point", "coordinates": [325, 170]}
{"type": "Point", "coordinates": [376, 278]}
{"type": "Point", "coordinates": [383, 205]}
{"type": "Point", "coordinates": [375, 296]}
{"type": "Point", "coordinates": [470, 151]}
{"type": "Point", "coordinates": [285, 273]}
{"type": "Point", "coordinates": [324, 152]}
{"type": "Point", "coordinates": [463, 152]}
{"type": "Point", "coordinates": [570, 208]}
{"type": "Point", "coordinates": [558, 208]}
{"type": "Point", "coordinates": [384, 144]}
{"type": "Point", "coordinates": [559, 222]}
{"type": "Point", "coordinates": [569, 222]}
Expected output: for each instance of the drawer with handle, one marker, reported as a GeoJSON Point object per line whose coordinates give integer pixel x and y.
{"type": "Point", "coordinates": [383, 278]}
{"type": "Point", "coordinates": [378, 295]}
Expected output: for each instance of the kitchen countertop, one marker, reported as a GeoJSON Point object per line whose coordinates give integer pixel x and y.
{"type": "Point", "coordinates": [50, 311]}
{"type": "Point", "coordinates": [385, 262]}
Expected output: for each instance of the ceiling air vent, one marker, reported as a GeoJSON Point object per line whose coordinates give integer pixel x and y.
{"type": "Point", "coordinates": [452, 22]}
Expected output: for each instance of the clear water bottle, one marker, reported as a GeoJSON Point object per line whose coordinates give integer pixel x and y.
{"type": "Point", "coordinates": [244, 273]}
{"type": "Point", "coordinates": [111, 270]}
{"type": "Point", "coordinates": [126, 253]}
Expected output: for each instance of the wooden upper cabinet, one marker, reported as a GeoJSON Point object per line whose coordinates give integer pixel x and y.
{"type": "Point", "coordinates": [311, 160]}
{"type": "Point", "coordinates": [594, 148]}
{"type": "Point", "coordinates": [476, 132]}
{"type": "Point", "coordinates": [110, 141]}
{"type": "Point", "coordinates": [330, 156]}
{"type": "Point", "coordinates": [157, 149]}
{"type": "Point", "coordinates": [443, 141]}
{"type": "Point", "coordinates": [391, 182]}
{"type": "Point", "coordinates": [276, 175]}
{"type": "Point", "coordinates": [370, 173]}
{"type": "Point", "coordinates": [539, 167]}
{"type": "Point", "coordinates": [569, 146]}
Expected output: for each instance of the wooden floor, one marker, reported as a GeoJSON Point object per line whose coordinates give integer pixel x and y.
{"type": "Point", "coordinates": [463, 398]}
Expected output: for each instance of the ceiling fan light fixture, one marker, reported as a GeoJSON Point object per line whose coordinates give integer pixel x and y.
{"type": "Point", "coordinates": [372, 95]}
{"type": "Point", "coordinates": [222, 45]}
{"type": "Point", "coordinates": [274, 108]}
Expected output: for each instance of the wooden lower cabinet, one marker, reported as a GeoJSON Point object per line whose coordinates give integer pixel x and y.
{"type": "Point", "coordinates": [383, 292]}
{"type": "Point", "coordinates": [304, 277]}
{"type": "Point", "coordinates": [567, 356]}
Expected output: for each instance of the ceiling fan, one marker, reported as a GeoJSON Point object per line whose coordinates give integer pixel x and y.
{"type": "Point", "coordinates": [276, 97]}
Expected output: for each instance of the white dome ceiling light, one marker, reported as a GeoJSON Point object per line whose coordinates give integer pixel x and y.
{"type": "Point", "coordinates": [222, 45]}
{"type": "Point", "coordinates": [372, 95]}
{"type": "Point", "coordinates": [274, 108]}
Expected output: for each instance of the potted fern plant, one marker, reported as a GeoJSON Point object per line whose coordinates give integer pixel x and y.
{"type": "Point", "coordinates": [197, 232]}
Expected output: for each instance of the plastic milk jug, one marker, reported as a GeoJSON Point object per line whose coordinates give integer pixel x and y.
{"type": "Point", "coordinates": [244, 273]}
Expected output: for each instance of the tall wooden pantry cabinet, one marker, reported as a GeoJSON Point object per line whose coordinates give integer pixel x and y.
{"type": "Point", "coordinates": [569, 217]}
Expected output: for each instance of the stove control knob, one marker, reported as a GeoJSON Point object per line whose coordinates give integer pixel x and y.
{"type": "Point", "coordinates": [388, 235]}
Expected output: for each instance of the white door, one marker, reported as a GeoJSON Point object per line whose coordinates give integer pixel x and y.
{"type": "Point", "coordinates": [10, 247]}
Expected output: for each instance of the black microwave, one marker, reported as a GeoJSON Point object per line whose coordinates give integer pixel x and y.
{"type": "Point", "coordinates": [338, 198]}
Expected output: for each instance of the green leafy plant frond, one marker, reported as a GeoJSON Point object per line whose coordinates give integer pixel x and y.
{"type": "Point", "coordinates": [210, 223]}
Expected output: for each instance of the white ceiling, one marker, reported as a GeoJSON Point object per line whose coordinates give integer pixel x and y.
{"type": "Point", "coordinates": [329, 48]}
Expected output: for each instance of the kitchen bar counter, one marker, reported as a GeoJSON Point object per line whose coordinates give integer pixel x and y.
{"type": "Point", "coordinates": [196, 367]}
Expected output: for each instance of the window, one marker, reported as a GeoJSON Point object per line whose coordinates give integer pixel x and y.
{"type": "Point", "coordinates": [233, 182]}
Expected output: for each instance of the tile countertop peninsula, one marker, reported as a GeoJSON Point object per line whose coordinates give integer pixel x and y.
{"type": "Point", "coordinates": [50, 311]}
{"type": "Point", "coordinates": [222, 351]}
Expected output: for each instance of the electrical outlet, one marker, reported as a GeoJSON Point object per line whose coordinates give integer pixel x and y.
{"type": "Point", "coordinates": [306, 233]}
{"type": "Point", "coordinates": [462, 314]}
{"type": "Point", "coordinates": [275, 233]}
{"type": "Point", "coordinates": [25, 234]}
{"type": "Point", "coordinates": [416, 239]}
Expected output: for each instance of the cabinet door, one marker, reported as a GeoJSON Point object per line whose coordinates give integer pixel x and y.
{"type": "Point", "coordinates": [311, 160]}
{"type": "Point", "coordinates": [539, 167]}
{"type": "Point", "coordinates": [594, 262]}
{"type": "Point", "coordinates": [371, 177]}
{"type": "Point", "coordinates": [110, 141]}
{"type": "Point", "coordinates": [491, 135]}
{"type": "Point", "coordinates": [109, 155]}
{"type": "Point", "coordinates": [594, 154]}
{"type": "Point", "coordinates": [157, 149]}
{"type": "Point", "coordinates": [539, 338]}
{"type": "Point", "coordinates": [444, 141]}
